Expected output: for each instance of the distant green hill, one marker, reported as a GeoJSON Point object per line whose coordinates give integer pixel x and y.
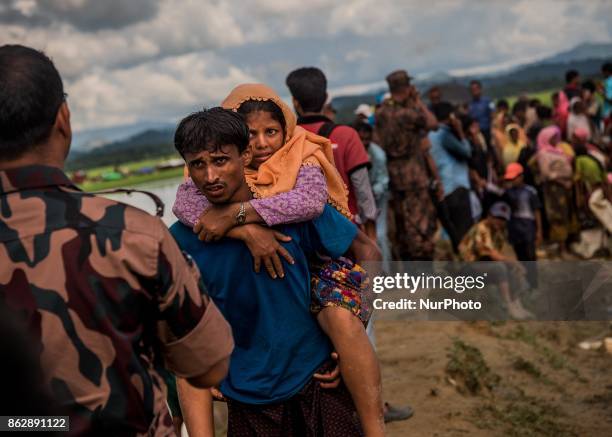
{"type": "Point", "coordinates": [528, 79]}
{"type": "Point", "coordinates": [145, 145]}
{"type": "Point", "coordinates": [537, 77]}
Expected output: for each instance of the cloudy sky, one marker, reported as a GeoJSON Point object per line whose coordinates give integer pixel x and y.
{"type": "Point", "coordinates": [134, 61]}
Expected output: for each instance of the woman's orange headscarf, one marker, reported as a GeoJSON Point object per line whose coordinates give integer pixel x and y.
{"type": "Point", "coordinates": [279, 173]}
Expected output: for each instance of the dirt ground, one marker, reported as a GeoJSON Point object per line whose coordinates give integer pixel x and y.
{"type": "Point", "coordinates": [493, 379]}
{"type": "Point", "coordinates": [496, 379]}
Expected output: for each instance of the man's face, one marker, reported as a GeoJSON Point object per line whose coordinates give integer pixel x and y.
{"type": "Point", "coordinates": [474, 128]}
{"type": "Point", "coordinates": [366, 138]}
{"type": "Point", "coordinates": [218, 174]}
{"type": "Point", "coordinates": [578, 108]}
{"type": "Point", "coordinates": [497, 224]}
{"type": "Point", "coordinates": [475, 90]}
{"type": "Point", "coordinates": [586, 94]}
{"type": "Point", "coordinates": [404, 94]}
{"type": "Point", "coordinates": [435, 96]}
{"type": "Point", "coordinates": [518, 181]}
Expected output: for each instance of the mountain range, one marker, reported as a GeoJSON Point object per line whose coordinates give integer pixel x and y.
{"type": "Point", "coordinates": [506, 81]}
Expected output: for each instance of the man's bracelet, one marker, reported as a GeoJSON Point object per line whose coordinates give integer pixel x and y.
{"type": "Point", "coordinates": [241, 216]}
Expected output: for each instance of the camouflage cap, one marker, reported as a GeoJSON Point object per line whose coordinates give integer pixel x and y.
{"type": "Point", "coordinates": [398, 79]}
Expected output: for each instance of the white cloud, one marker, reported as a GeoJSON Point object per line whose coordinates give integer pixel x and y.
{"type": "Point", "coordinates": [127, 61]}
{"type": "Point", "coordinates": [155, 91]}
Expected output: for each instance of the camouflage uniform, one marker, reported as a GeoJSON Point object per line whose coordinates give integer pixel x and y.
{"type": "Point", "coordinates": [106, 294]}
{"type": "Point", "coordinates": [401, 130]}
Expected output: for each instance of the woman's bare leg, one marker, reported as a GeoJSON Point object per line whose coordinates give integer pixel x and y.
{"type": "Point", "coordinates": [358, 365]}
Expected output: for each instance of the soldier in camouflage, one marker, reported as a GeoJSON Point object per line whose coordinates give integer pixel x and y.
{"type": "Point", "coordinates": [102, 288]}
{"type": "Point", "coordinates": [402, 122]}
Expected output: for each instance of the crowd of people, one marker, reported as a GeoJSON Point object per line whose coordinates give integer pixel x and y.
{"type": "Point", "coordinates": [257, 295]}
{"type": "Point", "coordinates": [486, 177]}
{"type": "Point", "coordinates": [456, 160]}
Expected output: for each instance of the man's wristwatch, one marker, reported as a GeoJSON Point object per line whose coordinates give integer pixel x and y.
{"type": "Point", "coordinates": [241, 216]}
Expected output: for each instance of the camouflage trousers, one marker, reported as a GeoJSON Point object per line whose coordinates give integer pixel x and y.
{"type": "Point", "coordinates": [414, 225]}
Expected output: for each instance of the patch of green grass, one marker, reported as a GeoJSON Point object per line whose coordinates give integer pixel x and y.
{"type": "Point", "coordinates": [467, 366]}
{"type": "Point", "coordinates": [545, 97]}
{"type": "Point", "coordinates": [554, 359]}
{"type": "Point", "coordinates": [522, 365]}
{"type": "Point", "coordinates": [523, 334]}
{"type": "Point", "coordinates": [133, 180]}
{"type": "Point", "coordinates": [496, 323]}
{"type": "Point", "coordinates": [525, 418]}
{"type": "Point", "coordinates": [131, 166]}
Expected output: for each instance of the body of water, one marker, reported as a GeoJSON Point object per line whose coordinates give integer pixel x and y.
{"type": "Point", "coordinates": [165, 190]}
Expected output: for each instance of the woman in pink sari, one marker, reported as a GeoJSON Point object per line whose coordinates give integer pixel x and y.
{"type": "Point", "coordinates": [560, 110]}
{"type": "Point", "coordinates": [554, 164]}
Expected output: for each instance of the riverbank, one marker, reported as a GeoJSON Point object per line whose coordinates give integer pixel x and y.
{"type": "Point", "coordinates": [132, 180]}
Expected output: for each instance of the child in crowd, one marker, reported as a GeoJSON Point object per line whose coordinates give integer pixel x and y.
{"type": "Point", "coordinates": [525, 225]}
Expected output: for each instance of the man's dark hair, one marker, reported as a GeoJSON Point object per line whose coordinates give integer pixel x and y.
{"type": "Point", "coordinates": [443, 110]}
{"type": "Point", "coordinates": [571, 75]}
{"type": "Point", "coordinates": [476, 82]}
{"type": "Point", "coordinates": [31, 93]}
{"type": "Point", "coordinates": [268, 106]}
{"type": "Point", "coordinates": [502, 103]}
{"type": "Point", "coordinates": [607, 68]}
{"type": "Point", "coordinates": [544, 112]}
{"type": "Point", "coordinates": [519, 106]}
{"type": "Point", "coordinates": [211, 129]}
{"type": "Point", "coordinates": [362, 126]}
{"type": "Point", "coordinates": [308, 86]}
{"type": "Point", "coordinates": [466, 121]}
{"type": "Point", "coordinates": [589, 85]}
{"type": "Point", "coordinates": [534, 103]}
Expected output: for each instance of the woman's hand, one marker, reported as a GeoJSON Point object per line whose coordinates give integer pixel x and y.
{"type": "Point", "coordinates": [331, 378]}
{"type": "Point", "coordinates": [264, 245]}
{"type": "Point", "coordinates": [215, 222]}
{"type": "Point", "coordinates": [217, 395]}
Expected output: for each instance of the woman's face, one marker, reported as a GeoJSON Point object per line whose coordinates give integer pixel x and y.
{"type": "Point", "coordinates": [266, 136]}
{"type": "Point", "coordinates": [514, 135]}
{"type": "Point", "coordinates": [586, 94]}
{"type": "Point", "coordinates": [474, 128]}
{"type": "Point", "coordinates": [577, 108]}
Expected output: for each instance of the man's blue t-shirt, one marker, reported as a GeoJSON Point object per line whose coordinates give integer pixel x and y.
{"type": "Point", "coordinates": [451, 156]}
{"type": "Point", "coordinates": [480, 110]}
{"type": "Point", "coordinates": [278, 343]}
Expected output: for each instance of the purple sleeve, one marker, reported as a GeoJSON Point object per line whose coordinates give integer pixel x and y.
{"type": "Point", "coordinates": [304, 202]}
{"type": "Point", "coordinates": [189, 204]}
